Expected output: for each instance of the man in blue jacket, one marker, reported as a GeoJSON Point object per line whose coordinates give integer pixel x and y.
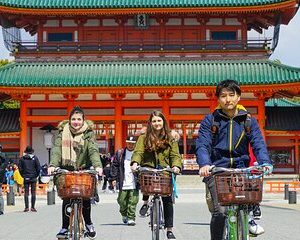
{"type": "Point", "coordinates": [223, 140]}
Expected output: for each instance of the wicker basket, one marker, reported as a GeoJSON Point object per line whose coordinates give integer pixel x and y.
{"type": "Point", "coordinates": [75, 185]}
{"type": "Point", "coordinates": [156, 184]}
{"type": "Point", "coordinates": [238, 189]}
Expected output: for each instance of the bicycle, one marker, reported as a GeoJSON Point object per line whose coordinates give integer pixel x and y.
{"type": "Point", "coordinates": [157, 183]}
{"type": "Point", "coordinates": [76, 186]}
{"type": "Point", "coordinates": [238, 190]}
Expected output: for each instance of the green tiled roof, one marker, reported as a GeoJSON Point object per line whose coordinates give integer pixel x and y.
{"type": "Point", "coordinates": [64, 4]}
{"type": "Point", "coordinates": [145, 73]}
{"type": "Point", "coordinates": [281, 102]}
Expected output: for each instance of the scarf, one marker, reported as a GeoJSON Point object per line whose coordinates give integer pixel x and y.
{"type": "Point", "coordinates": [72, 142]}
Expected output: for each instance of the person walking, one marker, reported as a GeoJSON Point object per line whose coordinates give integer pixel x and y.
{"type": "Point", "coordinates": [128, 190]}
{"type": "Point", "coordinates": [75, 148]}
{"type": "Point", "coordinates": [29, 168]}
{"type": "Point", "coordinates": [3, 166]}
{"type": "Point", "coordinates": [155, 149]}
{"type": "Point", "coordinates": [223, 141]}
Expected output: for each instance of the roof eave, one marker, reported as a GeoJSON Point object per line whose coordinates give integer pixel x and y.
{"type": "Point", "coordinates": [123, 11]}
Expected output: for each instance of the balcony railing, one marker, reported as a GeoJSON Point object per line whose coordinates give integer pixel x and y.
{"type": "Point", "coordinates": [141, 46]}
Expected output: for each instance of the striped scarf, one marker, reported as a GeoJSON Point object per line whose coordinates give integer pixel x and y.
{"type": "Point", "coordinates": [72, 141]}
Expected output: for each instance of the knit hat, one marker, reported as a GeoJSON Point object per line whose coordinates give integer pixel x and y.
{"type": "Point", "coordinates": [29, 150]}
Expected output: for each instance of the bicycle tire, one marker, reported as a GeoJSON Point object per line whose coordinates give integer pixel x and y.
{"type": "Point", "coordinates": [75, 222]}
{"type": "Point", "coordinates": [155, 219]}
{"type": "Point", "coordinates": [241, 225]}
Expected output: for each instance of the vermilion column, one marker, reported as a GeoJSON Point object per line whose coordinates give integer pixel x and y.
{"type": "Point", "coordinates": [23, 121]}
{"type": "Point", "coordinates": [118, 120]}
{"type": "Point", "coordinates": [165, 105]}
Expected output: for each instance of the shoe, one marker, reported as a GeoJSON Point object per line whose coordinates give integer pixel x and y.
{"type": "Point", "coordinates": [26, 210]}
{"type": "Point", "coordinates": [124, 220]}
{"type": "Point", "coordinates": [256, 212]}
{"type": "Point", "coordinates": [170, 235]}
{"type": "Point", "coordinates": [33, 210]}
{"type": "Point", "coordinates": [255, 229]}
{"type": "Point", "coordinates": [91, 232]}
{"type": "Point", "coordinates": [131, 222]}
{"type": "Point", "coordinates": [1, 213]}
{"type": "Point", "coordinates": [62, 234]}
{"type": "Point", "coordinates": [144, 210]}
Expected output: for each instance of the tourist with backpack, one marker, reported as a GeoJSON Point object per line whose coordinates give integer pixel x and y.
{"type": "Point", "coordinates": [223, 141]}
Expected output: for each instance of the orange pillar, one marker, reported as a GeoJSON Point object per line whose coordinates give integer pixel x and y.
{"type": "Point", "coordinates": [118, 125]}
{"type": "Point", "coordinates": [261, 115]}
{"type": "Point", "coordinates": [165, 105]}
{"type": "Point", "coordinates": [23, 126]}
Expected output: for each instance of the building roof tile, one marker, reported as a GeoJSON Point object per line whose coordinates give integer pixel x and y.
{"type": "Point", "coordinates": [145, 73]}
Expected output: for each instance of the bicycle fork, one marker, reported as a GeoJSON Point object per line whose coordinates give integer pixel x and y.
{"type": "Point", "coordinates": [237, 224]}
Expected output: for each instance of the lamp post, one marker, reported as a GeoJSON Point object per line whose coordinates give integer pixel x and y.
{"type": "Point", "coordinates": [48, 143]}
{"type": "Point", "coordinates": [48, 138]}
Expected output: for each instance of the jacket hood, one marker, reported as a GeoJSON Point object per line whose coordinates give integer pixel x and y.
{"type": "Point", "coordinates": [64, 122]}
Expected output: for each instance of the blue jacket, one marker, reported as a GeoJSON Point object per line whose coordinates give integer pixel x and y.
{"type": "Point", "coordinates": [229, 147]}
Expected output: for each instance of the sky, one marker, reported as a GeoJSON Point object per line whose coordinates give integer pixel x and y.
{"type": "Point", "coordinates": [287, 51]}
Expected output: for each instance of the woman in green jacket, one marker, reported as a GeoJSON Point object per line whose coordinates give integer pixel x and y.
{"type": "Point", "coordinates": [157, 148]}
{"type": "Point", "coordinates": [75, 149]}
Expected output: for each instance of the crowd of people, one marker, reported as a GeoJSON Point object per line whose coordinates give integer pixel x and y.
{"type": "Point", "coordinates": [224, 139]}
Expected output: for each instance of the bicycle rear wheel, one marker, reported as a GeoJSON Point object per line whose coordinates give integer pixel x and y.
{"type": "Point", "coordinates": [155, 219]}
{"type": "Point", "coordinates": [75, 228]}
{"type": "Point", "coordinates": [242, 225]}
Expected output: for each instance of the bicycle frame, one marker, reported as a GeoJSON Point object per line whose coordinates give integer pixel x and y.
{"type": "Point", "coordinates": [76, 225]}
{"type": "Point", "coordinates": [236, 223]}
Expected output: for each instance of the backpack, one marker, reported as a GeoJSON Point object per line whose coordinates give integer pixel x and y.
{"type": "Point", "coordinates": [216, 124]}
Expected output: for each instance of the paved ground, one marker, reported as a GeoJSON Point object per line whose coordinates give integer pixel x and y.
{"type": "Point", "coordinates": [280, 219]}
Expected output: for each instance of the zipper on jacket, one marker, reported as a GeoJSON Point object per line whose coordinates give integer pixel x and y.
{"type": "Point", "coordinates": [240, 139]}
{"type": "Point", "coordinates": [230, 142]}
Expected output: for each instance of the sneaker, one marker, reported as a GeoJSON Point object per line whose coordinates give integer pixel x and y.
{"type": "Point", "coordinates": [62, 234]}
{"type": "Point", "coordinates": [91, 232]}
{"type": "Point", "coordinates": [131, 222]}
{"type": "Point", "coordinates": [170, 235]}
{"type": "Point", "coordinates": [255, 229]}
{"type": "Point", "coordinates": [33, 210]}
{"type": "Point", "coordinates": [1, 213]}
{"type": "Point", "coordinates": [256, 212]}
{"type": "Point", "coordinates": [124, 220]}
{"type": "Point", "coordinates": [26, 210]}
{"type": "Point", "coordinates": [144, 210]}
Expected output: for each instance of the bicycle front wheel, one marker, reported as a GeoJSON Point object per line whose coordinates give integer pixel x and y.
{"type": "Point", "coordinates": [75, 223]}
{"type": "Point", "coordinates": [242, 225]}
{"type": "Point", "coordinates": [155, 216]}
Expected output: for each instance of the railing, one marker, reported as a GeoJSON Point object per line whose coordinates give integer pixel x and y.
{"type": "Point", "coordinates": [141, 45]}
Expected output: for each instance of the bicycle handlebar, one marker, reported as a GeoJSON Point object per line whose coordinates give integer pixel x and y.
{"type": "Point", "coordinates": [61, 171]}
{"type": "Point", "coordinates": [263, 169]}
{"type": "Point", "coordinates": [147, 169]}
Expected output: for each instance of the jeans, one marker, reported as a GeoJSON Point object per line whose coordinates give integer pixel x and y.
{"type": "Point", "coordinates": [168, 210]}
{"type": "Point", "coordinates": [217, 222]}
{"type": "Point", "coordinates": [32, 185]}
{"type": "Point", "coordinates": [86, 212]}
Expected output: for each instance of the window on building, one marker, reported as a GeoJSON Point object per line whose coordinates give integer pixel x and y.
{"type": "Point", "coordinates": [60, 37]}
{"type": "Point", "coordinates": [223, 35]}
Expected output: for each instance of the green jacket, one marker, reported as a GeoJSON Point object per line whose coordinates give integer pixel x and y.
{"type": "Point", "coordinates": [88, 156]}
{"type": "Point", "coordinates": [163, 157]}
